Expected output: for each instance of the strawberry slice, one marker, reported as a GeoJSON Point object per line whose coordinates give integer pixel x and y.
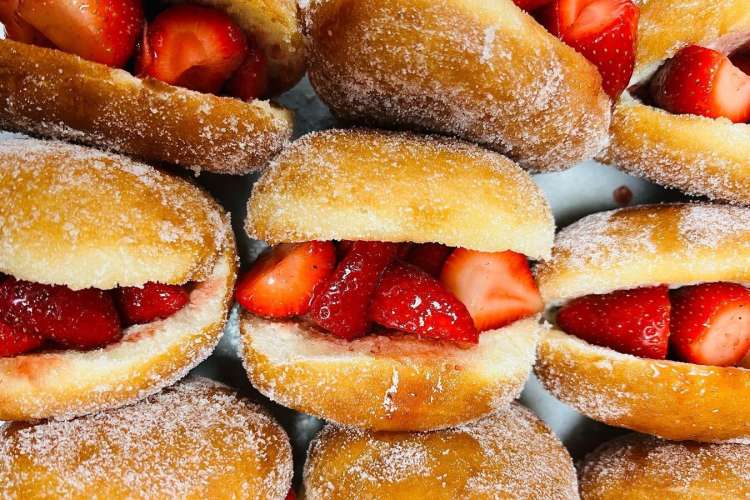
{"type": "Point", "coordinates": [193, 47]}
{"type": "Point", "coordinates": [711, 323]}
{"type": "Point", "coordinates": [340, 305]}
{"type": "Point", "coordinates": [103, 31]}
{"type": "Point", "coordinates": [282, 281]}
{"type": "Point", "coordinates": [150, 302]}
{"type": "Point", "coordinates": [529, 5]}
{"type": "Point", "coordinates": [410, 300]}
{"type": "Point", "coordinates": [701, 81]}
{"type": "Point", "coordinates": [251, 78]}
{"type": "Point", "coordinates": [497, 288]}
{"type": "Point", "coordinates": [429, 257]}
{"type": "Point", "coordinates": [16, 28]}
{"type": "Point", "coordinates": [629, 321]}
{"type": "Point", "coordinates": [82, 319]}
{"type": "Point", "coordinates": [14, 341]}
{"type": "Point", "coordinates": [603, 31]}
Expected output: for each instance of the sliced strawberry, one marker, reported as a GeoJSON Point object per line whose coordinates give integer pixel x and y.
{"type": "Point", "coordinates": [103, 31]}
{"type": "Point", "coordinates": [150, 302]}
{"type": "Point", "coordinates": [529, 5]}
{"type": "Point", "coordinates": [194, 47]}
{"type": "Point", "coordinates": [282, 281]}
{"type": "Point", "coordinates": [629, 321]}
{"type": "Point", "coordinates": [711, 323]}
{"type": "Point", "coordinates": [701, 81]}
{"type": "Point", "coordinates": [14, 341]}
{"type": "Point", "coordinates": [497, 288]}
{"type": "Point", "coordinates": [340, 305]}
{"type": "Point", "coordinates": [250, 81]}
{"type": "Point", "coordinates": [410, 300]}
{"type": "Point", "coordinates": [16, 28]}
{"type": "Point", "coordinates": [83, 318]}
{"type": "Point", "coordinates": [291, 495]}
{"type": "Point", "coordinates": [429, 257]}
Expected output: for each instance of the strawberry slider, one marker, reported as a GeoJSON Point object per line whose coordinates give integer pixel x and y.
{"type": "Point", "coordinates": [397, 293]}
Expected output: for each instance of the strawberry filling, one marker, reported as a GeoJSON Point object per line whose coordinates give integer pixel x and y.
{"type": "Point", "coordinates": [351, 289]}
{"type": "Point", "coordinates": [199, 48]}
{"type": "Point", "coordinates": [34, 315]}
{"type": "Point", "coordinates": [706, 324]}
{"type": "Point", "coordinates": [603, 31]}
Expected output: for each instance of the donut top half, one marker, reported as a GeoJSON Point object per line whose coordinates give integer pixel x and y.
{"type": "Point", "coordinates": [661, 281]}
{"type": "Point", "coordinates": [391, 233]}
{"type": "Point", "coordinates": [93, 243]}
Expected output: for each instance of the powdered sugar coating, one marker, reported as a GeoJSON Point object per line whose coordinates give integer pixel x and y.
{"type": "Point", "coordinates": [507, 455]}
{"type": "Point", "coordinates": [197, 438]}
{"type": "Point", "coordinates": [636, 466]}
{"type": "Point", "coordinates": [484, 71]}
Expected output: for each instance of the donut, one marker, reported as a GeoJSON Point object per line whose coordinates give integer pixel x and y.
{"type": "Point", "coordinates": [673, 244]}
{"type": "Point", "coordinates": [484, 71]}
{"type": "Point", "coordinates": [196, 439]}
{"type": "Point", "coordinates": [79, 220]}
{"type": "Point", "coordinates": [53, 94]}
{"type": "Point", "coordinates": [695, 154]}
{"type": "Point", "coordinates": [510, 454]}
{"type": "Point", "coordinates": [376, 186]}
{"type": "Point", "coordinates": [637, 466]}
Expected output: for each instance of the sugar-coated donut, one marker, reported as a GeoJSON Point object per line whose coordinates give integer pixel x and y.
{"type": "Point", "coordinates": [484, 71]}
{"type": "Point", "coordinates": [636, 466]}
{"type": "Point", "coordinates": [198, 439]}
{"type": "Point", "coordinates": [53, 94]}
{"type": "Point", "coordinates": [400, 187]}
{"type": "Point", "coordinates": [698, 155]}
{"type": "Point", "coordinates": [109, 222]}
{"type": "Point", "coordinates": [507, 455]}
{"type": "Point", "coordinates": [680, 244]}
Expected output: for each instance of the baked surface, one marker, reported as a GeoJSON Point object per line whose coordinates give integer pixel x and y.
{"type": "Point", "coordinates": [68, 383]}
{"type": "Point", "coordinates": [484, 71]}
{"type": "Point", "coordinates": [636, 467]}
{"type": "Point", "coordinates": [83, 218]}
{"type": "Point", "coordinates": [52, 94]}
{"type": "Point", "coordinates": [700, 156]}
{"type": "Point", "coordinates": [670, 399]}
{"type": "Point", "coordinates": [368, 185]}
{"type": "Point", "coordinates": [198, 439]}
{"type": "Point", "coordinates": [506, 455]}
{"type": "Point", "coordinates": [675, 244]}
{"type": "Point", "coordinates": [387, 382]}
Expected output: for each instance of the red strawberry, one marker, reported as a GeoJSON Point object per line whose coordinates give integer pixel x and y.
{"type": "Point", "coordinates": [83, 318]}
{"type": "Point", "coordinates": [282, 281]}
{"type": "Point", "coordinates": [194, 47]}
{"type": "Point", "coordinates": [701, 81]}
{"type": "Point", "coordinates": [410, 300]}
{"type": "Point", "coordinates": [251, 78]}
{"type": "Point", "coordinates": [629, 321]}
{"type": "Point", "coordinates": [711, 323]}
{"type": "Point", "coordinates": [429, 257]}
{"type": "Point", "coordinates": [16, 28]}
{"type": "Point", "coordinates": [291, 495]}
{"type": "Point", "coordinates": [14, 341]}
{"type": "Point", "coordinates": [150, 302]}
{"type": "Point", "coordinates": [529, 5]}
{"type": "Point", "coordinates": [103, 31]}
{"type": "Point", "coordinates": [603, 31]}
{"type": "Point", "coordinates": [340, 304]}
{"type": "Point", "coordinates": [497, 288]}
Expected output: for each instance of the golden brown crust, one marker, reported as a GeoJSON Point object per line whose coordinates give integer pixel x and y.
{"type": "Point", "coordinates": [676, 244]}
{"type": "Point", "coordinates": [637, 467]}
{"type": "Point", "coordinates": [67, 383]}
{"type": "Point", "coordinates": [274, 25]}
{"type": "Point", "coordinates": [83, 218]}
{"type": "Point", "coordinates": [697, 155]}
{"type": "Point", "coordinates": [673, 400]}
{"type": "Point", "coordinates": [50, 93]}
{"type": "Point", "coordinates": [195, 440]}
{"type": "Point", "coordinates": [369, 185]}
{"type": "Point", "coordinates": [506, 455]}
{"type": "Point", "coordinates": [484, 71]}
{"type": "Point", "coordinates": [394, 383]}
